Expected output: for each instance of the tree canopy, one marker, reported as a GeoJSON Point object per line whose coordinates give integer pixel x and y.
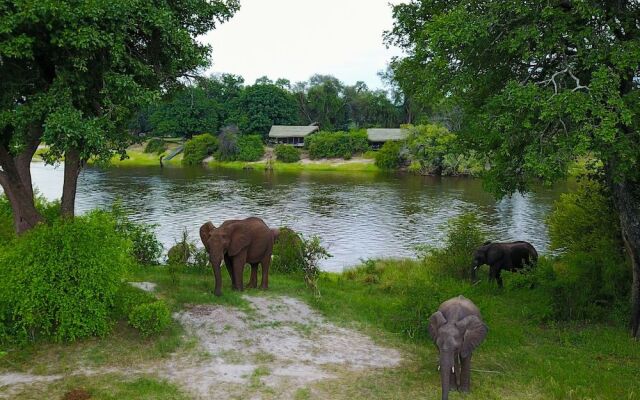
{"type": "Point", "coordinates": [539, 84]}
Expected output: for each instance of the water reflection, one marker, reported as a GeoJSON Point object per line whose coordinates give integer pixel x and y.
{"type": "Point", "coordinates": [356, 215]}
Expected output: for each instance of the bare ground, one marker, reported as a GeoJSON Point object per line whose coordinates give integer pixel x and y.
{"type": "Point", "coordinates": [273, 350]}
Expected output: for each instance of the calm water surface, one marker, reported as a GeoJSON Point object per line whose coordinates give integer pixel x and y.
{"type": "Point", "coordinates": [357, 216]}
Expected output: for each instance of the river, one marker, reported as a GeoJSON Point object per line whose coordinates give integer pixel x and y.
{"type": "Point", "coordinates": [356, 215]}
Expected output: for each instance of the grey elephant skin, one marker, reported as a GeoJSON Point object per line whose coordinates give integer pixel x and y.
{"type": "Point", "coordinates": [239, 242]}
{"type": "Point", "coordinates": [510, 256]}
{"type": "Point", "coordinates": [456, 329]}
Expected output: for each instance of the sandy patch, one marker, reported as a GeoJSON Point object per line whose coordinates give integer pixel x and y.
{"type": "Point", "coordinates": [146, 286]}
{"type": "Point", "coordinates": [276, 348]}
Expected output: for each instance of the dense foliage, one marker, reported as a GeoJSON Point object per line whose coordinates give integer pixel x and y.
{"type": "Point", "coordinates": [250, 148]}
{"type": "Point", "coordinates": [260, 106]}
{"type": "Point", "coordinates": [150, 318]}
{"type": "Point", "coordinates": [228, 144]}
{"type": "Point", "coordinates": [287, 154]}
{"type": "Point", "coordinates": [145, 246]}
{"type": "Point", "coordinates": [539, 85]}
{"type": "Point", "coordinates": [199, 148]}
{"type": "Point", "coordinates": [187, 113]}
{"type": "Point", "coordinates": [60, 280]}
{"type": "Point", "coordinates": [288, 252]}
{"type": "Point", "coordinates": [435, 149]}
{"type": "Point", "coordinates": [155, 145]}
{"type": "Point", "coordinates": [390, 156]}
{"type": "Point", "coordinates": [336, 144]}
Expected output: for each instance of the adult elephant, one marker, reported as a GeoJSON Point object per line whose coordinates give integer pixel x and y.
{"type": "Point", "coordinates": [239, 242]}
{"type": "Point", "coordinates": [510, 256]}
{"type": "Point", "coordinates": [456, 329]}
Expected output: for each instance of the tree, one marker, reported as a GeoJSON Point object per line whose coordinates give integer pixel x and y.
{"type": "Point", "coordinates": [544, 82]}
{"type": "Point", "coordinates": [262, 105]}
{"type": "Point", "coordinates": [366, 108]}
{"type": "Point", "coordinates": [73, 71]}
{"type": "Point", "coordinates": [189, 112]}
{"type": "Point", "coordinates": [320, 100]}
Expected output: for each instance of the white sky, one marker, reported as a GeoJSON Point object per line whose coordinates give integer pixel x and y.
{"type": "Point", "coordinates": [295, 39]}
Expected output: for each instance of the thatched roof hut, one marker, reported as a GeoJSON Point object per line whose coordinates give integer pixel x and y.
{"type": "Point", "coordinates": [378, 136]}
{"type": "Point", "coordinates": [291, 134]}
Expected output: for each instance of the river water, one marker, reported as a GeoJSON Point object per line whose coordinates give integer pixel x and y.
{"type": "Point", "coordinates": [356, 215]}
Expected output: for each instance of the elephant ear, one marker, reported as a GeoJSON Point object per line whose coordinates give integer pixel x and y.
{"type": "Point", "coordinates": [436, 320]}
{"type": "Point", "coordinates": [238, 242]}
{"type": "Point", "coordinates": [474, 333]}
{"type": "Point", "coordinates": [205, 233]}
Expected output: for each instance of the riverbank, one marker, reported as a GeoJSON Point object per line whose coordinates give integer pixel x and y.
{"type": "Point", "coordinates": [385, 305]}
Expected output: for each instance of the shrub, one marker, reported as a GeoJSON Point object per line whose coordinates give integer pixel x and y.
{"type": "Point", "coordinates": [438, 153]}
{"type": "Point", "coordinates": [60, 280]}
{"type": "Point", "coordinates": [127, 297]}
{"type": "Point", "coordinates": [150, 318]}
{"type": "Point", "coordinates": [389, 156]}
{"type": "Point", "coordinates": [50, 211]}
{"type": "Point", "coordinates": [181, 252]}
{"type": "Point", "coordinates": [288, 252]}
{"type": "Point", "coordinates": [198, 148]}
{"type": "Point", "coordinates": [590, 279]}
{"type": "Point", "coordinates": [464, 234]}
{"type": "Point", "coordinates": [337, 144]}
{"type": "Point", "coordinates": [155, 145]}
{"type": "Point", "coordinates": [146, 248]}
{"type": "Point", "coordinates": [250, 148]}
{"type": "Point", "coordinates": [228, 144]}
{"type": "Point", "coordinates": [287, 154]}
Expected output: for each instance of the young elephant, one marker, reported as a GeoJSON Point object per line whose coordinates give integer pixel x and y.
{"type": "Point", "coordinates": [239, 242]}
{"type": "Point", "coordinates": [503, 256]}
{"type": "Point", "coordinates": [456, 329]}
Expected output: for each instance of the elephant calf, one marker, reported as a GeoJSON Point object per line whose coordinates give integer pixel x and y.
{"type": "Point", "coordinates": [509, 256]}
{"type": "Point", "coordinates": [239, 242]}
{"type": "Point", "coordinates": [456, 329]}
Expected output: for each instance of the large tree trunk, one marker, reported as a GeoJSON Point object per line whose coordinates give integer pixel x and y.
{"type": "Point", "coordinates": [15, 178]}
{"type": "Point", "coordinates": [72, 165]}
{"type": "Point", "coordinates": [627, 202]}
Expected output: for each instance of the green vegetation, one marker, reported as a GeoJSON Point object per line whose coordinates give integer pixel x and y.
{"type": "Point", "coordinates": [65, 289]}
{"type": "Point", "coordinates": [250, 148]}
{"type": "Point", "coordinates": [287, 154]}
{"type": "Point", "coordinates": [288, 252]}
{"type": "Point", "coordinates": [145, 246]}
{"type": "Point", "coordinates": [389, 156]}
{"type": "Point", "coordinates": [150, 318]}
{"type": "Point", "coordinates": [199, 148]}
{"type": "Point", "coordinates": [543, 98]}
{"type": "Point", "coordinates": [337, 144]}
{"type": "Point", "coordinates": [262, 105]}
{"type": "Point", "coordinates": [74, 74]}
{"type": "Point", "coordinates": [155, 145]}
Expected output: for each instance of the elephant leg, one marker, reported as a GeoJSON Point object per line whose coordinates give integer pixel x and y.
{"type": "Point", "coordinates": [465, 374]}
{"type": "Point", "coordinates": [266, 262]}
{"type": "Point", "coordinates": [238, 268]}
{"type": "Point", "coordinates": [253, 281]}
{"type": "Point", "coordinates": [499, 278]}
{"type": "Point", "coordinates": [493, 272]}
{"type": "Point", "coordinates": [228, 262]}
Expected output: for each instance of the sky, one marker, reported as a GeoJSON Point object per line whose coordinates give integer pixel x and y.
{"type": "Point", "coordinates": [295, 39]}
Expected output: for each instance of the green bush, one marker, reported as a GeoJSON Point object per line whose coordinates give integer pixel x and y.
{"type": "Point", "coordinates": [288, 252]}
{"type": "Point", "coordinates": [60, 280]}
{"type": "Point", "coordinates": [146, 248]}
{"type": "Point", "coordinates": [198, 148]}
{"type": "Point", "coordinates": [464, 234]}
{"type": "Point", "coordinates": [228, 144]}
{"type": "Point", "coordinates": [150, 318]}
{"type": "Point", "coordinates": [389, 156]}
{"type": "Point", "coordinates": [337, 144]}
{"type": "Point", "coordinates": [590, 279]}
{"type": "Point", "coordinates": [50, 211]}
{"type": "Point", "coordinates": [250, 148]}
{"type": "Point", "coordinates": [128, 297]}
{"type": "Point", "coordinates": [437, 152]}
{"type": "Point", "coordinates": [287, 154]}
{"type": "Point", "coordinates": [155, 145]}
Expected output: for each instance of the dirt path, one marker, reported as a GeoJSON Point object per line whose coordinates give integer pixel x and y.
{"type": "Point", "coordinates": [277, 348]}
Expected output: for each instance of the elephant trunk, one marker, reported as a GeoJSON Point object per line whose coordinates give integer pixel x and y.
{"type": "Point", "coordinates": [215, 263]}
{"type": "Point", "coordinates": [446, 364]}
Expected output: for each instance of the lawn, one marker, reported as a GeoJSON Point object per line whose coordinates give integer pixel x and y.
{"type": "Point", "coordinates": [524, 357]}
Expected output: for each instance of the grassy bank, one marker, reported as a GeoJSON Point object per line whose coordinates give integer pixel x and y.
{"type": "Point", "coordinates": [391, 300]}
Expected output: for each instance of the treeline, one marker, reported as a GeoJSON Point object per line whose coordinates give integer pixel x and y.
{"type": "Point", "coordinates": [210, 103]}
